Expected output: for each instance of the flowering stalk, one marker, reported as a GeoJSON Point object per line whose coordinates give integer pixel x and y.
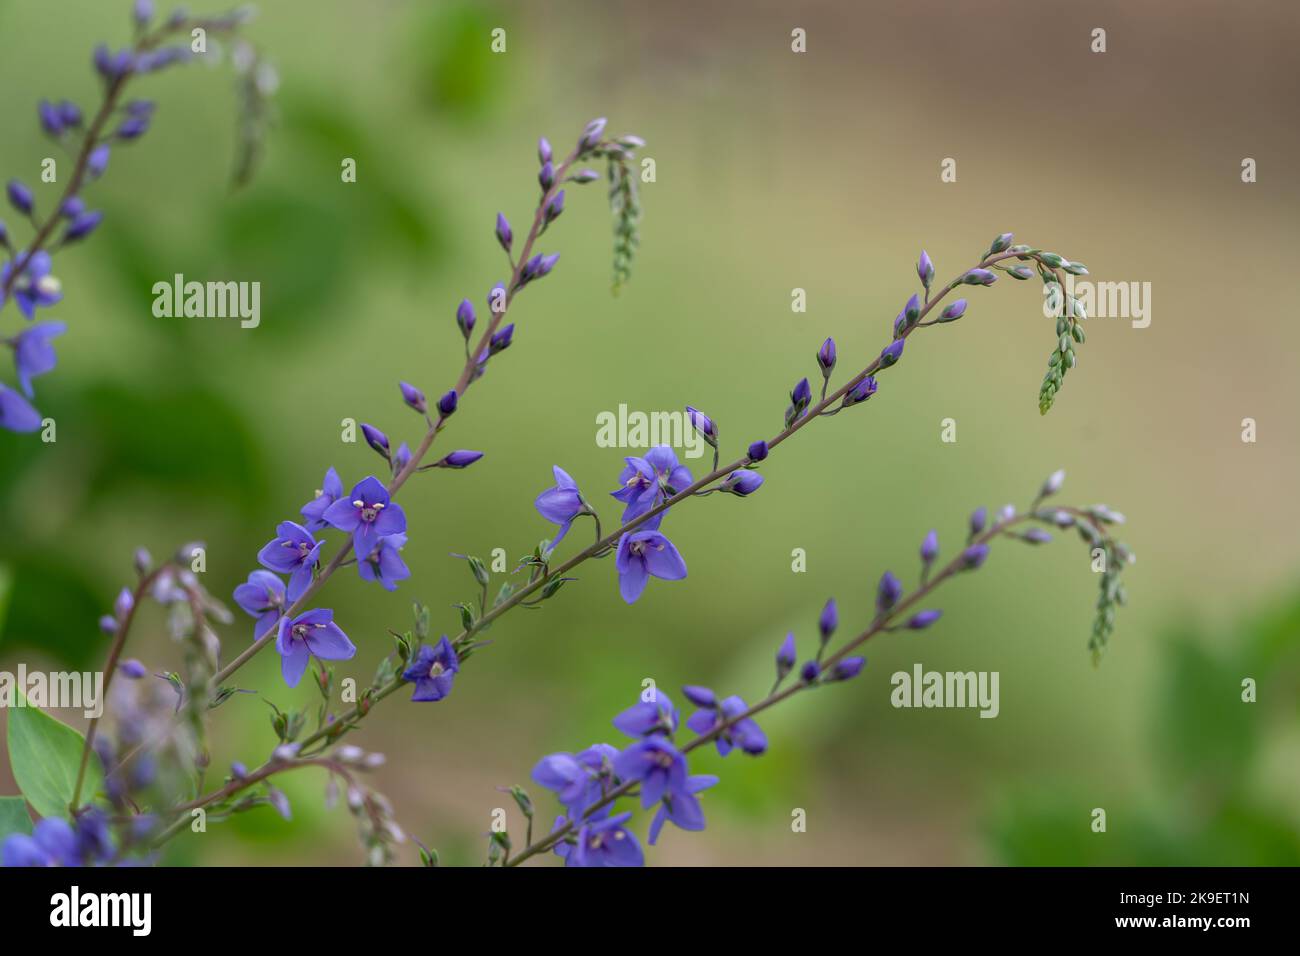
{"type": "Point", "coordinates": [26, 276]}
{"type": "Point", "coordinates": [590, 783]}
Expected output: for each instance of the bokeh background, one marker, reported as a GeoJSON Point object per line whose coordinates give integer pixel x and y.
{"type": "Point", "coordinates": [774, 171]}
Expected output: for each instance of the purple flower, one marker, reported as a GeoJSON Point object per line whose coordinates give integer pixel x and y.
{"type": "Point", "coordinates": [554, 208]}
{"type": "Point", "coordinates": [375, 439]}
{"type": "Point", "coordinates": [892, 354]}
{"type": "Point", "coordinates": [601, 842]}
{"type": "Point", "coordinates": [312, 634]}
{"type": "Point", "coordinates": [923, 619]}
{"type": "Point", "coordinates": [745, 734]}
{"type": "Point", "coordinates": [263, 597]}
{"type": "Point", "coordinates": [810, 671]}
{"type": "Point", "coordinates": [925, 269]}
{"type": "Point", "coordinates": [974, 556]}
{"type": "Point", "coordinates": [293, 552]}
{"type": "Point", "coordinates": [505, 235]}
{"type": "Point", "coordinates": [21, 198]}
{"type": "Point", "coordinates": [501, 339]}
{"type": "Point", "coordinates": [591, 135]}
{"type": "Point", "coordinates": [561, 504]}
{"type": "Point", "coordinates": [979, 277]}
{"type": "Point", "coordinates": [413, 397]}
{"type": "Point", "coordinates": [69, 114]}
{"type": "Point", "coordinates": [368, 514]}
{"type": "Point", "coordinates": [465, 317]}
{"type": "Point", "coordinates": [647, 717]}
{"type": "Point", "coordinates": [656, 764]}
{"type": "Point", "coordinates": [538, 267]}
{"type": "Point", "coordinates": [34, 288]}
{"type": "Point", "coordinates": [826, 357]}
{"type": "Point", "coordinates": [912, 310]}
{"type": "Point", "coordinates": [683, 808]}
{"type": "Point", "coordinates": [133, 127]}
{"type": "Point", "coordinates": [801, 396]}
{"type": "Point", "coordinates": [544, 151]}
{"type": "Point", "coordinates": [433, 670]}
{"type": "Point", "coordinates": [978, 518]}
{"type": "Point", "coordinates": [703, 424]}
{"type": "Point", "coordinates": [930, 548]}
{"type": "Point", "coordinates": [132, 668]}
{"type": "Point", "coordinates": [546, 175]}
{"type": "Point", "coordinates": [861, 391]}
{"type": "Point", "coordinates": [577, 779]}
{"type": "Point", "coordinates": [1001, 244]}
{"type": "Point", "coordinates": [33, 353]}
{"type": "Point", "coordinates": [97, 161]}
{"type": "Point", "coordinates": [385, 563]}
{"type": "Point", "coordinates": [83, 225]}
{"type": "Point", "coordinates": [49, 116]}
{"type": "Point", "coordinates": [888, 593]}
{"type": "Point", "coordinates": [847, 669]}
{"type": "Point", "coordinates": [742, 482]}
{"type": "Point", "coordinates": [16, 414]}
{"type": "Point", "coordinates": [647, 481]}
{"type": "Point", "coordinates": [447, 404]}
{"type": "Point", "coordinates": [829, 620]}
{"type": "Point", "coordinates": [314, 511]}
{"type": "Point", "coordinates": [785, 657]}
{"type": "Point", "coordinates": [458, 459]}
{"type": "Point", "coordinates": [52, 843]}
{"type": "Point", "coordinates": [642, 555]}
{"type": "Point", "coordinates": [700, 696]}
{"type": "Point", "coordinates": [757, 451]}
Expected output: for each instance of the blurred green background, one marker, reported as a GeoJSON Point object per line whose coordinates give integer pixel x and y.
{"type": "Point", "coordinates": [774, 171]}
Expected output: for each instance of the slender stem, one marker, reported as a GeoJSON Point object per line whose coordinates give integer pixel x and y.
{"type": "Point", "coordinates": [110, 669]}
{"type": "Point", "coordinates": [881, 623]}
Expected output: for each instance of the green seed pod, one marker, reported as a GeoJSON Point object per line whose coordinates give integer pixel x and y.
{"type": "Point", "coordinates": [1076, 333]}
{"type": "Point", "coordinates": [1064, 344]}
{"type": "Point", "coordinates": [1051, 260]}
{"type": "Point", "coordinates": [1070, 359]}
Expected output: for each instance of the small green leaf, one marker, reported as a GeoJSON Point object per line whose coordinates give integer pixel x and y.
{"type": "Point", "coordinates": [44, 754]}
{"type": "Point", "coordinates": [14, 817]}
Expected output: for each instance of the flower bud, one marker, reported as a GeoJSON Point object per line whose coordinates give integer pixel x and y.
{"type": "Point", "coordinates": [829, 620]}
{"type": "Point", "coordinates": [701, 697]}
{"type": "Point", "coordinates": [925, 269]}
{"type": "Point", "coordinates": [544, 154]}
{"type": "Point", "coordinates": [953, 312]}
{"type": "Point", "coordinates": [847, 669]}
{"type": "Point", "coordinates": [460, 459]}
{"type": "Point", "coordinates": [465, 317]}
{"type": "Point", "coordinates": [809, 672]}
{"type": "Point", "coordinates": [375, 439]}
{"type": "Point", "coordinates": [888, 592]}
{"type": "Point", "coordinates": [414, 397]}
{"type": "Point", "coordinates": [979, 277]}
{"type": "Point", "coordinates": [83, 225]}
{"type": "Point", "coordinates": [758, 451]}
{"type": "Point", "coordinates": [447, 404]}
{"type": "Point", "coordinates": [501, 339]}
{"type": "Point", "coordinates": [1053, 484]}
{"type": "Point", "coordinates": [912, 310]}
{"type": "Point", "coordinates": [554, 208]}
{"type": "Point", "coordinates": [21, 198]}
{"type": "Point", "coordinates": [930, 548]}
{"type": "Point", "coordinates": [97, 161]}
{"type": "Point", "coordinates": [702, 424]}
{"type": "Point", "coordinates": [974, 556]}
{"type": "Point", "coordinates": [1001, 244]}
{"type": "Point", "coordinates": [546, 176]}
{"type": "Point", "coordinates": [742, 482]}
{"type": "Point", "coordinates": [978, 518]}
{"type": "Point", "coordinates": [892, 354]}
{"type": "Point", "coordinates": [923, 619]}
{"type": "Point", "coordinates": [860, 392]}
{"type": "Point", "coordinates": [505, 235]}
{"type": "Point", "coordinates": [49, 116]}
{"type": "Point", "coordinates": [785, 657]}
{"type": "Point", "coordinates": [826, 357]}
{"type": "Point", "coordinates": [591, 135]}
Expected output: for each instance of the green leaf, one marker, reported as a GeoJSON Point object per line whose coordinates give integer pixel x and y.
{"type": "Point", "coordinates": [14, 817]}
{"type": "Point", "coordinates": [44, 754]}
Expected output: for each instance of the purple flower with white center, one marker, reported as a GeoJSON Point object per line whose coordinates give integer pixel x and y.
{"type": "Point", "coordinates": [847, 669]}
{"type": "Point", "coordinates": [757, 451]}
{"type": "Point", "coordinates": [646, 717]}
{"type": "Point", "coordinates": [20, 197]}
{"type": "Point", "coordinates": [561, 504]}
{"type": "Point", "coordinates": [385, 563]}
{"type": "Point", "coordinates": [505, 235]}
{"type": "Point", "coordinates": [888, 593]}
{"type": "Point", "coordinates": [312, 634]}
{"type": "Point", "coordinates": [745, 733]}
{"type": "Point", "coordinates": [979, 277]}
{"type": "Point", "coordinates": [656, 764]}
{"type": "Point", "coordinates": [465, 317]}
{"type": "Point", "coordinates": [413, 397]}
{"type": "Point", "coordinates": [52, 843]}
{"type": "Point", "coordinates": [974, 556]}
{"type": "Point", "coordinates": [458, 459]}
{"type": "Point", "coordinates": [682, 809]}
{"type": "Point", "coordinates": [930, 548]}
{"type": "Point", "coordinates": [923, 619]}
{"type": "Point", "coordinates": [433, 670]}
{"type": "Point", "coordinates": [16, 414]}
{"type": "Point", "coordinates": [33, 353]}
{"type": "Point", "coordinates": [34, 288]}
{"type": "Point", "coordinates": [892, 353]}
{"type": "Point", "coordinates": [293, 552]}
{"type": "Point", "coordinates": [861, 391]}
{"type": "Point", "coordinates": [742, 482]}
{"type": "Point", "coordinates": [829, 620]}
{"type": "Point", "coordinates": [703, 424]}
{"type": "Point", "coordinates": [643, 555]}
{"type": "Point", "coordinates": [577, 779]}
{"type": "Point", "coordinates": [331, 490]}
{"type": "Point", "coordinates": [601, 842]}
{"type": "Point", "coordinates": [925, 269]}
{"type": "Point", "coordinates": [367, 514]}
{"type": "Point", "coordinates": [263, 597]}
{"type": "Point", "coordinates": [647, 481]}
{"type": "Point", "coordinates": [785, 657]}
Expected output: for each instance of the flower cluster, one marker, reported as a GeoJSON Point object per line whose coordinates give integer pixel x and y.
{"type": "Point", "coordinates": [26, 276]}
